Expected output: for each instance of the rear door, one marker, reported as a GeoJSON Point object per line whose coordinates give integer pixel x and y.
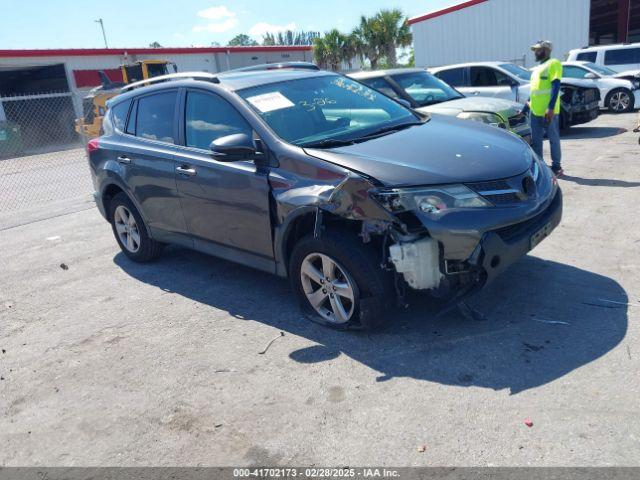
{"type": "Point", "coordinates": [490, 82]}
{"type": "Point", "coordinates": [225, 204]}
{"type": "Point", "coordinates": [146, 153]}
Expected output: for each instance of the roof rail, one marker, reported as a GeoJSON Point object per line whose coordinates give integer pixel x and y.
{"type": "Point", "coordinates": [172, 76]}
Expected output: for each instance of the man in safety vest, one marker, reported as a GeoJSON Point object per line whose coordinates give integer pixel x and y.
{"type": "Point", "coordinates": [545, 103]}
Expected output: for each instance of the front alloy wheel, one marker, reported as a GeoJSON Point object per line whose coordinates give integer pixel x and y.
{"type": "Point", "coordinates": [328, 288]}
{"type": "Point", "coordinates": [619, 101]}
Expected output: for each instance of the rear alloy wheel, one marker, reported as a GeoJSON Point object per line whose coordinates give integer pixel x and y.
{"type": "Point", "coordinates": [620, 101]}
{"type": "Point", "coordinates": [130, 230]}
{"type": "Point", "coordinates": [126, 228]}
{"type": "Point", "coordinates": [328, 287]}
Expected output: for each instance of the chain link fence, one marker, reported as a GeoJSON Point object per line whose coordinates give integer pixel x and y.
{"type": "Point", "coordinates": [42, 157]}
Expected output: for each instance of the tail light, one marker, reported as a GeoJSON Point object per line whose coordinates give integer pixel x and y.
{"type": "Point", "coordinates": [93, 145]}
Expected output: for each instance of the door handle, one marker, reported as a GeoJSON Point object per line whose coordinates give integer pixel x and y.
{"type": "Point", "coordinates": [124, 159]}
{"type": "Point", "coordinates": [186, 171]}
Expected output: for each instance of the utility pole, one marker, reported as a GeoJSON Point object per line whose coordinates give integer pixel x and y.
{"type": "Point", "coordinates": [104, 35]}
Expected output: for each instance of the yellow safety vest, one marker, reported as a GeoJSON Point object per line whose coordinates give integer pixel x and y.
{"type": "Point", "coordinates": [541, 79]}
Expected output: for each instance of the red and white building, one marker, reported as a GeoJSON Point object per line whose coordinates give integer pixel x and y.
{"type": "Point", "coordinates": [30, 75]}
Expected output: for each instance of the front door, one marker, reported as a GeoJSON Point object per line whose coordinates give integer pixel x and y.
{"type": "Point", "coordinates": [489, 82]}
{"type": "Point", "coordinates": [225, 204]}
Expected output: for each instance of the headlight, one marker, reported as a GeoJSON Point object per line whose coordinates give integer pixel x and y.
{"type": "Point", "coordinates": [432, 200]}
{"type": "Point", "coordinates": [488, 118]}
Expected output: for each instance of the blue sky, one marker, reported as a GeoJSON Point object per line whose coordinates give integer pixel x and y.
{"type": "Point", "coordinates": [136, 23]}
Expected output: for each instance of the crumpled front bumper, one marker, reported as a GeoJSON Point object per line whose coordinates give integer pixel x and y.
{"type": "Point", "coordinates": [501, 248]}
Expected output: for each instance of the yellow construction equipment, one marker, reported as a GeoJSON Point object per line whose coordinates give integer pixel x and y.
{"type": "Point", "coordinates": [94, 103]}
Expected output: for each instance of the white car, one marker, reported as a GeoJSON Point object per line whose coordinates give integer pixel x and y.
{"type": "Point", "coordinates": [579, 97]}
{"type": "Point", "coordinates": [623, 58]}
{"type": "Point", "coordinates": [616, 94]}
{"type": "Point", "coordinates": [487, 79]}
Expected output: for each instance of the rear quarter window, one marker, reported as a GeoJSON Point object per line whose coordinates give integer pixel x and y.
{"type": "Point", "coordinates": [454, 77]}
{"type": "Point", "coordinates": [622, 56]}
{"type": "Point", "coordinates": [119, 115]}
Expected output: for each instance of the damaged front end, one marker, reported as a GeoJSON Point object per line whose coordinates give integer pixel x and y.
{"type": "Point", "coordinates": [445, 240]}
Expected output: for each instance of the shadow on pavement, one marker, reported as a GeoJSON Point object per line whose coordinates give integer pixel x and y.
{"type": "Point", "coordinates": [518, 347]}
{"type": "Point", "coordinates": [591, 132]}
{"type": "Point", "coordinates": [599, 182]}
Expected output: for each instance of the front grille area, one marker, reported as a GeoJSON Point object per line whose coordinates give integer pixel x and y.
{"type": "Point", "coordinates": [489, 186]}
{"type": "Point", "coordinates": [504, 198]}
{"type": "Point", "coordinates": [591, 95]}
{"type": "Point", "coordinates": [518, 229]}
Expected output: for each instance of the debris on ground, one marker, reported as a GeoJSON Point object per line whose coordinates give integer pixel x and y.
{"type": "Point", "coordinates": [422, 448]}
{"type": "Point", "coordinates": [64, 266]}
{"type": "Point", "coordinates": [4, 351]}
{"type": "Point", "coordinates": [269, 344]}
{"type": "Point", "coordinates": [532, 348]}
{"type": "Point", "coordinates": [528, 422]}
{"type": "Point", "coordinates": [470, 313]}
{"type": "Point", "coordinates": [551, 322]}
{"type": "Point", "coordinates": [8, 304]}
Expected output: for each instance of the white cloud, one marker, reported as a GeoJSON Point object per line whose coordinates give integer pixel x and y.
{"type": "Point", "coordinates": [226, 20]}
{"type": "Point", "coordinates": [216, 13]}
{"type": "Point", "coordinates": [259, 29]}
{"type": "Point", "coordinates": [220, 27]}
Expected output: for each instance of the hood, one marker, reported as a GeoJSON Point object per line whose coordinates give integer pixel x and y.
{"type": "Point", "coordinates": [443, 150]}
{"type": "Point", "coordinates": [628, 74]}
{"type": "Point", "coordinates": [580, 82]}
{"type": "Point", "coordinates": [474, 104]}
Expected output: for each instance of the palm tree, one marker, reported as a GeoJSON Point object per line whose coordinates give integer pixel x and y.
{"type": "Point", "coordinates": [329, 50]}
{"type": "Point", "coordinates": [392, 30]}
{"type": "Point", "coordinates": [368, 41]}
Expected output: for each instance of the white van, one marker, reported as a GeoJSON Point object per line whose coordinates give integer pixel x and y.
{"type": "Point", "coordinates": [621, 57]}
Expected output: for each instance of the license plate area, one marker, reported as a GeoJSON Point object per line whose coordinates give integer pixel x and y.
{"type": "Point", "coordinates": [540, 235]}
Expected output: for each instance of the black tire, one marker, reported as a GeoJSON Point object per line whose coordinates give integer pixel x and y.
{"type": "Point", "coordinates": [373, 285]}
{"type": "Point", "coordinates": [611, 103]}
{"type": "Point", "coordinates": [148, 249]}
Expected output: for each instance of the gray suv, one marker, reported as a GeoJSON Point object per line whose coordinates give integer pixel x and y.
{"type": "Point", "coordinates": [315, 177]}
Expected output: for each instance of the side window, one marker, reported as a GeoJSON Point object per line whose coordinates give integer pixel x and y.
{"type": "Point", "coordinates": [119, 115]}
{"type": "Point", "coordinates": [587, 57]}
{"type": "Point", "coordinates": [622, 56]}
{"type": "Point", "coordinates": [569, 71]}
{"type": "Point", "coordinates": [381, 85]}
{"type": "Point", "coordinates": [155, 116]}
{"type": "Point", "coordinates": [487, 77]}
{"type": "Point", "coordinates": [208, 117]}
{"type": "Point", "coordinates": [454, 77]}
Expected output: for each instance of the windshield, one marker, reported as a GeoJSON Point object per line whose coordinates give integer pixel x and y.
{"type": "Point", "coordinates": [520, 72]}
{"type": "Point", "coordinates": [599, 69]}
{"type": "Point", "coordinates": [324, 109]}
{"type": "Point", "coordinates": [426, 89]}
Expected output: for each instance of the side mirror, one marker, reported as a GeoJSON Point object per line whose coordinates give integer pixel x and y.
{"type": "Point", "coordinates": [508, 82]}
{"type": "Point", "coordinates": [232, 148]}
{"type": "Point", "coordinates": [591, 76]}
{"type": "Point", "coordinates": [404, 103]}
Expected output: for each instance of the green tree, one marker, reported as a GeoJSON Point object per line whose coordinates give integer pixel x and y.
{"type": "Point", "coordinates": [367, 41]}
{"type": "Point", "coordinates": [155, 45]}
{"type": "Point", "coordinates": [289, 37]}
{"type": "Point", "coordinates": [391, 31]}
{"type": "Point", "coordinates": [329, 50]}
{"type": "Point", "coordinates": [242, 40]}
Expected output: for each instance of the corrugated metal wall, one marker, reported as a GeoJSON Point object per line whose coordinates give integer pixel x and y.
{"type": "Point", "coordinates": [501, 30]}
